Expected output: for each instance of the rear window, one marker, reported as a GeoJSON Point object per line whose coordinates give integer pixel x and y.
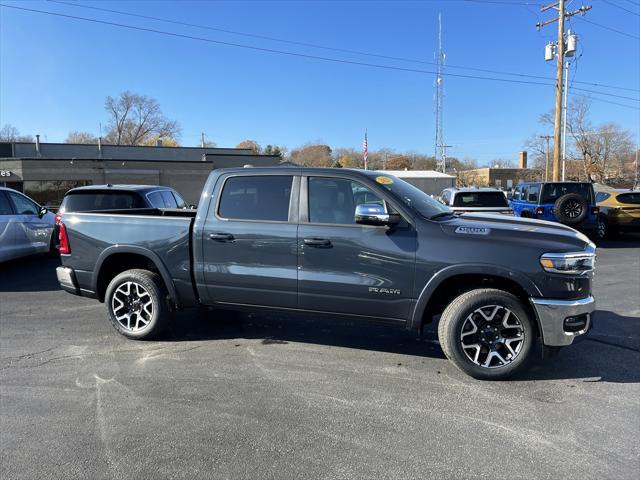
{"type": "Point", "coordinates": [631, 197]}
{"type": "Point", "coordinates": [88, 201]}
{"type": "Point", "coordinates": [480, 199]}
{"type": "Point", "coordinates": [553, 191]}
{"type": "Point", "coordinates": [162, 199]}
{"type": "Point", "coordinates": [256, 198]}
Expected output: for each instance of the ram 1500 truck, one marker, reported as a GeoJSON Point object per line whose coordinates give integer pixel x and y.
{"type": "Point", "coordinates": [348, 243]}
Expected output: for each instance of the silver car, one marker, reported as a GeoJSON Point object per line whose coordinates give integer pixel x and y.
{"type": "Point", "coordinates": [25, 226]}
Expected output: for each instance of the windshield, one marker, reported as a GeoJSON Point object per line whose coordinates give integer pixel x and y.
{"type": "Point", "coordinates": [553, 191]}
{"type": "Point", "coordinates": [410, 195]}
{"type": "Point", "coordinates": [480, 199]}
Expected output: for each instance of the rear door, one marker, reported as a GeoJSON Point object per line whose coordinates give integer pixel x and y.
{"type": "Point", "coordinates": [349, 268]}
{"type": "Point", "coordinates": [32, 232]}
{"type": "Point", "coordinates": [249, 244]}
{"type": "Point", "coordinates": [7, 232]}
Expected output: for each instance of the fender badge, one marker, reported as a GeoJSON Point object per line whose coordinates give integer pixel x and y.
{"type": "Point", "coordinates": [473, 230]}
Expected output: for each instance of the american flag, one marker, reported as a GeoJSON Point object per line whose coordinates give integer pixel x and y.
{"type": "Point", "coordinates": [365, 150]}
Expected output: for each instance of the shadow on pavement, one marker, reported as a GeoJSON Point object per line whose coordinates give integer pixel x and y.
{"type": "Point", "coordinates": [278, 329]}
{"type": "Point", "coordinates": [621, 240]}
{"type": "Point", "coordinates": [36, 273]}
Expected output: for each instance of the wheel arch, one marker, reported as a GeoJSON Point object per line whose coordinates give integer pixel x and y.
{"type": "Point", "coordinates": [452, 281]}
{"type": "Point", "coordinates": [117, 259]}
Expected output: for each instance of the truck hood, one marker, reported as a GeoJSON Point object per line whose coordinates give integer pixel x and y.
{"type": "Point", "coordinates": [496, 227]}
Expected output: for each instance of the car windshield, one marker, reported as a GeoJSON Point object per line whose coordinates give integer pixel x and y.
{"type": "Point", "coordinates": [480, 199]}
{"type": "Point", "coordinates": [96, 200]}
{"type": "Point", "coordinates": [411, 196]}
{"type": "Point", "coordinates": [553, 191]}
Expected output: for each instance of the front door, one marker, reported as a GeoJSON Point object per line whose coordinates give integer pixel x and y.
{"type": "Point", "coordinates": [349, 268]}
{"type": "Point", "coordinates": [249, 244]}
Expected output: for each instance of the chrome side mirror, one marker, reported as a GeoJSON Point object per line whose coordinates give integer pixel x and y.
{"type": "Point", "coordinates": [42, 212]}
{"type": "Point", "coordinates": [374, 214]}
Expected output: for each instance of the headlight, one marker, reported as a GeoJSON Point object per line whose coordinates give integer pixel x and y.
{"type": "Point", "coordinates": [568, 263]}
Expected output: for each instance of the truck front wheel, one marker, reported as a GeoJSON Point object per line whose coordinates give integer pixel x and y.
{"type": "Point", "coordinates": [137, 304]}
{"type": "Point", "coordinates": [487, 334]}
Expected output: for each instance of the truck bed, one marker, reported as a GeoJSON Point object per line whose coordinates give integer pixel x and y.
{"type": "Point", "coordinates": [164, 235]}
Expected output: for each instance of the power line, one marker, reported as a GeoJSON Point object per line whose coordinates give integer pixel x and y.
{"type": "Point", "coordinates": [293, 54]}
{"type": "Point", "coordinates": [621, 8]}
{"type": "Point", "coordinates": [324, 47]}
{"type": "Point", "coordinates": [609, 28]}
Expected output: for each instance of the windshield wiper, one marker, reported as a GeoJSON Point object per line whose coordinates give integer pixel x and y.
{"type": "Point", "coordinates": [441, 214]}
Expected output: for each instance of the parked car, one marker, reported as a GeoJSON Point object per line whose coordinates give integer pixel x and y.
{"type": "Point", "coordinates": [298, 239]}
{"type": "Point", "coordinates": [25, 227]}
{"type": "Point", "coordinates": [619, 212]}
{"type": "Point", "coordinates": [474, 199]}
{"type": "Point", "coordinates": [118, 197]}
{"type": "Point", "coordinates": [569, 203]}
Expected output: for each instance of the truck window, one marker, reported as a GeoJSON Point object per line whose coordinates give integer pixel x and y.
{"type": "Point", "coordinates": [534, 191]}
{"type": "Point", "coordinates": [155, 199]}
{"type": "Point", "coordinates": [256, 198]}
{"type": "Point", "coordinates": [334, 200]}
{"type": "Point", "coordinates": [516, 194]}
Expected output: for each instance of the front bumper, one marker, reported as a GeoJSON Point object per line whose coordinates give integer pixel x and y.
{"type": "Point", "coordinates": [558, 319]}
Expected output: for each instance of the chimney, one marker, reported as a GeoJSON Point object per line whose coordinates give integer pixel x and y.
{"type": "Point", "coordinates": [38, 145]}
{"type": "Point", "coordinates": [522, 160]}
{"type": "Point", "coordinates": [99, 147]}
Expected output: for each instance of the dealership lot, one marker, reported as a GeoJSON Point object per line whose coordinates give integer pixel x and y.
{"type": "Point", "coordinates": [230, 395]}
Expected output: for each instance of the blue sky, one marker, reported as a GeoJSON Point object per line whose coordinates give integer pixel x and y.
{"type": "Point", "coordinates": [55, 72]}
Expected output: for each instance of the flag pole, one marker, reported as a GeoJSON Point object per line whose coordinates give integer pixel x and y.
{"type": "Point", "coordinates": [365, 149]}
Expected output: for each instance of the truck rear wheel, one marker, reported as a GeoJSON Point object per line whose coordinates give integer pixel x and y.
{"type": "Point", "coordinates": [487, 334]}
{"type": "Point", "coordinates": [137, 304]}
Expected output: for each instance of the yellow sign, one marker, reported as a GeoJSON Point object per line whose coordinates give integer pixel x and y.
{"type": "Point", "coordinates": [384, 180]}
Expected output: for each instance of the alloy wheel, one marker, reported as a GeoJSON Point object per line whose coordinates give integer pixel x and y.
{"type": "Point", "coordinates": [132, 306]}
{"type": "Point", "coordinates": [492, 336]}
{"type": "Point", "coordinates": [573, 209]}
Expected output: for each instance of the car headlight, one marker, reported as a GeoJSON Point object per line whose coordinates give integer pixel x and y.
{"type": "Point", "coordinates": [575, 263]}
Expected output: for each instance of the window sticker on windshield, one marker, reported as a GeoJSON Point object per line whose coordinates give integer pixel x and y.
{"type": "Point", "coordinates": [384, 180]}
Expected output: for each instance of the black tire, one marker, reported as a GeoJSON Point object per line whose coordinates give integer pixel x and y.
{"type": "Point", "coordinates": [456, 318]}
{"type": "Point", "coordinates": [570, 209]}
{"type": "Point", "coordinates": [148, 302]}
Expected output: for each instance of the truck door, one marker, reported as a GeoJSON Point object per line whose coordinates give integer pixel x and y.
{"type": "Point", "coordinates": [249, 242]}
{"type": "Point", "coordinates": [349, 268]}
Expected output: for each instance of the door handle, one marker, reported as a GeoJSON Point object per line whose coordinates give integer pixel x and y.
{"type": "Point", "coordinates": [221, 237]}
{"type": "Point", "coordinates": [318, 242]}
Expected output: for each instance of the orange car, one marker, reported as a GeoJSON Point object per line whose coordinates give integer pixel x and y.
{"type": "Point", "coordinates": [619, 212]}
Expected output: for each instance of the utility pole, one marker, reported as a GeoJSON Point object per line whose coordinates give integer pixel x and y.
{"type": "Point", "coordinates": [202, 139]}
{"type": "Point", "coordinates": [440, 153]}
{"type": "Point", "coordinates": [546, 163]}
{"type": "Point", "coordinates": [560, 53]}
{"type": "Point", "coordinates": [564, 118]}
{"type": "Point", "coordinates": [443, 158]}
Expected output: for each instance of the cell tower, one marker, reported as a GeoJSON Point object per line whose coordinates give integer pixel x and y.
{"type": "Point", "coordinates": [440, 147]}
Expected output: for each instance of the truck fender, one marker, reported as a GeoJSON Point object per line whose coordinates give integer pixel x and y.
{"type": "Point", "coordinates": [152, 256]}
{"type": "Point", "coordinates": [415, 320]}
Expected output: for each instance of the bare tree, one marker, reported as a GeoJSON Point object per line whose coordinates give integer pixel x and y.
{"type": "Point", "coordinates": [251, 145]}
{"type": "Point", "coordinates": [81, 137]}
{"type": "Point", "coordinates": [9, 133]}
{"type": "Point", "coordinates": [317, 155]}
{"type": "Point", "coordinates": [134, 119]}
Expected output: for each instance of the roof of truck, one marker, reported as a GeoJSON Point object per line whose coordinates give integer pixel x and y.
{"type": "Point", "coordinates": [118, 187]}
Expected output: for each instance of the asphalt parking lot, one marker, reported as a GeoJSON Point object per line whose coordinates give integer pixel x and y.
{"type": "Point", "coordinates": [226, 395]}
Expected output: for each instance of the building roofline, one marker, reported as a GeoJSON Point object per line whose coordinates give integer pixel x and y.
{"type": "Point", "coordinates": [110, 145]}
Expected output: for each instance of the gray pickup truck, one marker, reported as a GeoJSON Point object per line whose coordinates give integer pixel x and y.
{"type": "Point", "coordinates": [348, 243]}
